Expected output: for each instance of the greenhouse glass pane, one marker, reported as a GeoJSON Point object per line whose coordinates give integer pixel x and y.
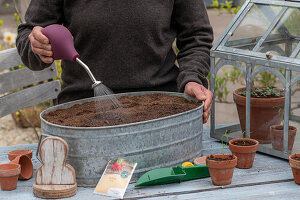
{"type": "Point", "coordinates": [285, 34]}
{"type": "Point", "coordinates": [253, 26]}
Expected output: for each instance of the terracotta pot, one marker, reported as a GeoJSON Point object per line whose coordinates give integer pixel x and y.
{"type": "Point", "coordinates": [221, 172]}
{"type": "Point", "coordinates": [26, 166]}
{"type": "Point", "coordinates": [276, 132]}
{"type": "Point", "coordinates": [9, 174]}
{"type": "Point", "coordinates": [245, 154]}
{"type": "Point", "coordinates": [200, 160]}
{"type": "Point", "coordinates": [264, 113]}
{"type": "Point", "coordinates": [13, 154]}
{"type": "Point", "coordinates": [295, 165]}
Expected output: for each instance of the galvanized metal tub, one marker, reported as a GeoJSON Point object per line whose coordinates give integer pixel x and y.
{"type": "Point", "coordinates": [156, 143]}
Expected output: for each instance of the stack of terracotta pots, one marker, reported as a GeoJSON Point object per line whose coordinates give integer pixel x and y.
{"type": "Point", "coordinates": [19, 167]}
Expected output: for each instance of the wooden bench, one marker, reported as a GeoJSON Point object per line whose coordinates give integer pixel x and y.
{"type": "Point", "coordinates": [21, 88]}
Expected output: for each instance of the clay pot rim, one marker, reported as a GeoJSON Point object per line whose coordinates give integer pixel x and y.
{"type": "Point", "coordinates": [9, 164]}
{"type": "Point", "coordinates": [240, 139]}
{"type": "Point", "coordinates": [243, 149]}
{"type": "Point", "coordinates": [19, 152]}
{"type": "Point", "coordinates": [200, 160]}
{"type": "Point", "coordinates": [16, 170]}
{"type": "Point", "coordinates": [220, 164]}
{"type": "Point", "coordinates": [291, 157]}
{"type": "Point", "coordinates": [220, 156]}
{"type": "Point", "coordinates": [294, 163]}
{"type": "Point", "coordinates": [275, 127]}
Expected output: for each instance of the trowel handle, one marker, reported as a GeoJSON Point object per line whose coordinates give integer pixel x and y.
{"type": "Point", "coordinates": [61, 41]}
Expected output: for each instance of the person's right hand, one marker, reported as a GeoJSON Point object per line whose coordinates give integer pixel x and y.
{"type": "Point", "coordinates": [40, 44]}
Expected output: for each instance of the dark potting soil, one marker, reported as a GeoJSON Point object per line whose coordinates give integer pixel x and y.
{"type": "Point", "coordinates": [134, 109]}
{"type": "Point", "coordinates": [243, 143]}
{"type": "Point", "coordinates": [296, 158]}
{"type": "Point", "coordinates": [212, 157]}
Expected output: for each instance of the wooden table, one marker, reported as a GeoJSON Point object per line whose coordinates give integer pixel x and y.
{"type": "Point", "coordinates": [269, 178]}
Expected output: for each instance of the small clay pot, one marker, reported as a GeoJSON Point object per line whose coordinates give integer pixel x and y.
{"type": "Point", "coordinates": [200, 160]}
{"type": "Point", "coordinates": [221, 172]}
{"type": "Point", "coordinates": [245, 154]}
{"type": "Point", "coordinates": [295, 165]}
{"type": "Point", "coordinates": [13, 154]}
{"type": "Point", "coordinates": [9, 174]}
{"type": "Point", "coordinates": [276, 132]}
{"type": "Point", "coordinates": [26, 166]}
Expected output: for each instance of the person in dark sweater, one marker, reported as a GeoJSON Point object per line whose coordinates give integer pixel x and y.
{"type": "Point", "coordinates": [127, 45]}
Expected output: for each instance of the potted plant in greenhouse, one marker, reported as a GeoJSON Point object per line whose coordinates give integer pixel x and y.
{"type": "Point", "coordinates": [294, 161]}
{"type": "Point", "coordinates": [244, 149]}
{"type": "Point", "coordinates": [221, 166]}
{"type": "Point", "coordinates": [265, 102]}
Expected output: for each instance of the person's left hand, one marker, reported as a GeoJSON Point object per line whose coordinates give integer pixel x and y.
{"type": "Point", "coordinates": [202, 94]}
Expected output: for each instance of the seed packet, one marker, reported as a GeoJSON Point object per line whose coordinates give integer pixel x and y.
{"type": "Point", "coordinates": [115, 178]}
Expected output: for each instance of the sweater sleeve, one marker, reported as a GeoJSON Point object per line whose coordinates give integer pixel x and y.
{"type": "Point", "coordinates": [194, 40]}
{"type": "Point", "coordinates": [39, 13]}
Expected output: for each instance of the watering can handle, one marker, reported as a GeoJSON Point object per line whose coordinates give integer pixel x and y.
{"type": "Point", "coordinates": [61, 41]}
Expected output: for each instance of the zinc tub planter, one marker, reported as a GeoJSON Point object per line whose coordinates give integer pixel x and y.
{"type": "Point", "coordinates": [157, 143]}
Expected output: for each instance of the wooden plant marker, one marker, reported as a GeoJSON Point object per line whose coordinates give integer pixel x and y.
{"type": "Point", "coordinates": [54, 179]}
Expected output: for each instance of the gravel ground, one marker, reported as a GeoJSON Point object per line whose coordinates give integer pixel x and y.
{"type": "Point", "coordinates": [10, 134]}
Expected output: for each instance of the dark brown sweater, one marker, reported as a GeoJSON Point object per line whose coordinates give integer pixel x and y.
{"type": "Point", "coordinates": [127, 44]}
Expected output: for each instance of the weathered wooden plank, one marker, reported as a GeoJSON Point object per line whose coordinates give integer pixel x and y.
{"type": "Point", "coordinates": [28, 97]}
{"type": "Point", "coordinates": [275, 191]}
{"type": "Point", "coordinates": [9, 58]}
{"type": "Point", "coordinates": [24, 77]}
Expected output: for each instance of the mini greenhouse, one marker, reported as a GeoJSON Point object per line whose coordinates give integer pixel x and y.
{"type": "Point", "coordinates": [263, 37]}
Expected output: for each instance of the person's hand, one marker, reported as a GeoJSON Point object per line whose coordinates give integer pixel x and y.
{"type": "Point", "coordinates": [40, 44]}
{"type": "Point", "coordinates": [202, 94]}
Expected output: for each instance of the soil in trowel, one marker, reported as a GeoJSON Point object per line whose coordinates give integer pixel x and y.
{"type": "Point", "coordinates": [134, 109]}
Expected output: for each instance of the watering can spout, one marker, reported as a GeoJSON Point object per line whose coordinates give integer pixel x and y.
{"type": "Point", "coordinates": [95, 84]}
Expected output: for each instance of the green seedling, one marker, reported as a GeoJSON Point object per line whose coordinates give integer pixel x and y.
{"type": "Point", "coordinates": [266, 92]}
{"type": "Point", "coordinates": [244, 137]}
{"type": "Point", "coordinates": [223, 143]}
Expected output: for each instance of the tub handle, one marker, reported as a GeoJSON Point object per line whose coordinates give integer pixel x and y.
{"type": "Point", "coordinates": [38, 147]}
